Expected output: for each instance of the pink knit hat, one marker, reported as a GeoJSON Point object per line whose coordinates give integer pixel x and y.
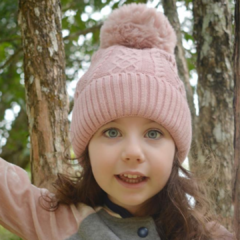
{"type": "Point", "coordinates": [134, 73]}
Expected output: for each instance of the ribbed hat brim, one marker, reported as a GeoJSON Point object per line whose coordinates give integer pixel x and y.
{"type": "Point", "coordinates": [131, 94]}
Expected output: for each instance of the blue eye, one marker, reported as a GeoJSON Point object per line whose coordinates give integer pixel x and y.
{"type": "Point", "coordinates": [154, 134]}
{"type": "Point", "coordinates": [111, 133]}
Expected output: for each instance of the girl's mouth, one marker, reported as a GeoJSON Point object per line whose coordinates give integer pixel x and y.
{"type": "Point", "coordinates": [131, 180]}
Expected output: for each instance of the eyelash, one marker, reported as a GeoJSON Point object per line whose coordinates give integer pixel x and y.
{"type": "Point", "coordinates": [104, 132]}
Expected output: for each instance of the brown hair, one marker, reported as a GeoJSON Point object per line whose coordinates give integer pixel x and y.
{"type": "Point", "coordinates": [175, 216]}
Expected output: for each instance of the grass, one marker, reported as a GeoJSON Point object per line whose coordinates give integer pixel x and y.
{"type": "Point", "coordinates": [6, 235]}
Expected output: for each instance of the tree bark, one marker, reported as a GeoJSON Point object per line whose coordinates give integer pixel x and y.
{"type": "Point", "coordinates": [46, 98]}
{"type": "Point", "coordinates": [236, 179]}
{"type": "Point", "coordinates": [212, 32]}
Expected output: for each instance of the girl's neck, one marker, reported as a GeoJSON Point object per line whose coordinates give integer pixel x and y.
{"type": "Point", "coordinates": [123, 212]}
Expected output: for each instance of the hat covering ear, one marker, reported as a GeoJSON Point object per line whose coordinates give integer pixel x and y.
{"type": "Point", "coordinates": [134, 73]}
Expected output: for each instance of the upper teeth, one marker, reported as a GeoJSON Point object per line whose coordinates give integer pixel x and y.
{"type": "Point", "coordinates": [131, 176]}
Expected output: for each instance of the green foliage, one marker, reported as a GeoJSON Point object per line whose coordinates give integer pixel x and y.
{"type": "Point", "coordinates": [6, 235]}
{"type": "Point", "coordinates": [11, 90]}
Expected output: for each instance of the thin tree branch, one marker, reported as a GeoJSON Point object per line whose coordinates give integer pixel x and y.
{"type": "Point", "coordinates": [11, 58]}
{"type": "Point", "coordinates": [69, 6]}
{"type": "Point", "coordinates": [71, 106]}
{"type": "Point", "coordinates": [83, 32]}
{"type": "Point", "coordinates": [69, 37]}
{"type": "Point", "coordinates": [12, 39]}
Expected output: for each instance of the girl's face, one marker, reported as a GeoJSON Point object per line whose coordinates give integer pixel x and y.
{"type": "Point", "coordinates": [131, 160]}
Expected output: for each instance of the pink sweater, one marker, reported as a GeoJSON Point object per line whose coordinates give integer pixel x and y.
{"type": "Point", "coordinates": [21, 213]}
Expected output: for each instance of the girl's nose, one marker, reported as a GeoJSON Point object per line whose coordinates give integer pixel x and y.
{"type": "Point", "coordinates": [132, 152]}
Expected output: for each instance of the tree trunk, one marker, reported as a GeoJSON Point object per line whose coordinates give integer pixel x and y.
{"type": "Point", "coordinates": [170, 10]}
{"type": "Point", "coordinates": [212, 32]}
{"type": "Point", "coordinates": [46, 98]}
{"type": "Point", "coordinates": [236, 179]}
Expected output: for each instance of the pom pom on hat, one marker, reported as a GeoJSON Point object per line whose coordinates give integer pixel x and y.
{"type": "Point", "coordinates": [136, 26]}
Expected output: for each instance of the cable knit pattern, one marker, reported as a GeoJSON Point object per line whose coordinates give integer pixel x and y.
{"type": "Point", "coordinates": [124, 81]}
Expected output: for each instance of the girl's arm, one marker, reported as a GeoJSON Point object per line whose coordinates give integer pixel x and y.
{"type": "Point", "coordinates": [21, 213]}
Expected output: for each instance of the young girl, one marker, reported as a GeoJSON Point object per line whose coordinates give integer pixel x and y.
{"type": "Point", "coordinates": [131, 129]}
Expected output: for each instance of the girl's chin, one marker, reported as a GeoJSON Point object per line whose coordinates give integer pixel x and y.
{"type": "Point", "coordinates": [134, 206]}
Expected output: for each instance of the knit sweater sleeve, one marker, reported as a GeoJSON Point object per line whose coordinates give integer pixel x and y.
{"type": "Point", "coordinates": [220, 232]}
{"type": "Point", "coordinates": [21, 213]}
